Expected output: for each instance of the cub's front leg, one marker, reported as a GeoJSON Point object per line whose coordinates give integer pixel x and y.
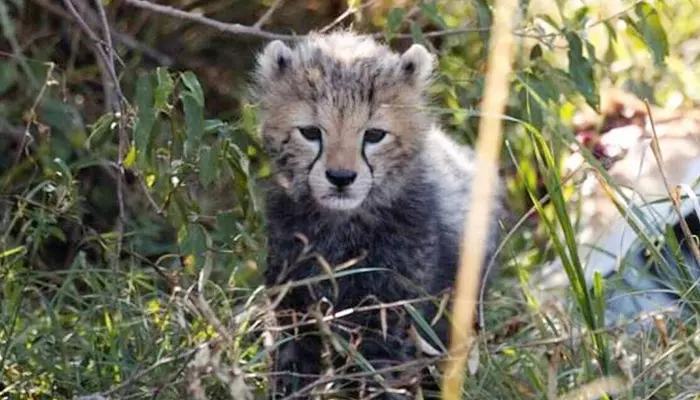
{"type": "Point", "coordinates": [295, 364]}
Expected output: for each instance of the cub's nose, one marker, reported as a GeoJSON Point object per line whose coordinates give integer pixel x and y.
{"type": "Point", "coordinates": [341, 177]}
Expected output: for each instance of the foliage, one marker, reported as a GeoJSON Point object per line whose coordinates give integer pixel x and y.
{"type": "Point", "coordinates": [108, 283]}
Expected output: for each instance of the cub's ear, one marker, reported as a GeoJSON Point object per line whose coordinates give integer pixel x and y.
{"type": "Point", "coordinates": [274, 61]}
{"type": "Point", "coordinates": [416, 65]}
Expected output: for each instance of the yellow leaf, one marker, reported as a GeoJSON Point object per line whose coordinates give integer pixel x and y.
{"type": "Point", "coordinates": [130, 157]}
{"type": "Point", "coordinates": [150, 180]}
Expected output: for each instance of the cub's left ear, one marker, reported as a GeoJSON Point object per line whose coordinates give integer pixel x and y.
{"type": "Point", "coordinates": [416, 65]}
{"type": "Point", "coordinates": [274, 61]}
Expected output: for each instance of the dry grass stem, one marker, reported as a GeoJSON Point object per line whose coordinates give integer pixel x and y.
{"type": "Point", "coordinates": [475, 230]}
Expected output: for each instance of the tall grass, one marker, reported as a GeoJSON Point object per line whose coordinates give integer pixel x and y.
{"type": "Point", "coordinates": [181, 312]}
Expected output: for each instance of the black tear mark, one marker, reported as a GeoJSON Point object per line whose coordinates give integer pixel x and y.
{"type": "Point", "coordinates": [364, 157]}
{"type": "Point", "coordinates": [318, 155]}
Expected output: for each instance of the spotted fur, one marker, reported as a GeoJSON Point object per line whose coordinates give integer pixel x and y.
{"type": "Point", "coordinates": [402, 214]}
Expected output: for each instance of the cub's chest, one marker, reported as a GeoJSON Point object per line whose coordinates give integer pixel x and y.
{"type": "Point", "coordinates": [401, 250]}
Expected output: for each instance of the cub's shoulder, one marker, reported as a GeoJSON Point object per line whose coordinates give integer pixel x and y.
{"type": "Point", "coordinates": [450, 168]}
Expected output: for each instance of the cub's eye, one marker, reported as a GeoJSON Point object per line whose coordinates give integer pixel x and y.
{"type": "Point", "coordinates": [311, 133]}
{"type": "Point", "coordinates": [374, 135]}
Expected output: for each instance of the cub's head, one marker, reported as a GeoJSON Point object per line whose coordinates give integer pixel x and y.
{"type": "Point", "coordinates": [341, 116]}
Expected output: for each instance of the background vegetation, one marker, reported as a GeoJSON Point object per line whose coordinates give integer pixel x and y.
{"type": "Point", "coordinates": [130, 216]}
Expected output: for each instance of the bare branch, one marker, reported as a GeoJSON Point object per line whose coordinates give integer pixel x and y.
{"type": "Point", "coordinates": [239, 29]}
{"type": "Point", "coordinates": [106, 58]}
{"type": "Point", "coordinates": [236, 29]}
{"type": "Point", "coordinates": [107, 36]}
{"type": "Point", "coordinates": [100, 51]}
{"type": "Point", "coordinates": [122, 38]}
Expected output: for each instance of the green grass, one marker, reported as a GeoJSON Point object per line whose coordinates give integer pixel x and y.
{"type": "Point", "coordinates": [183, 307]}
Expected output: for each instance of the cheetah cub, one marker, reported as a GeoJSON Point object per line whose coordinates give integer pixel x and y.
{"type": "Point", "coordinates": [361, 173]}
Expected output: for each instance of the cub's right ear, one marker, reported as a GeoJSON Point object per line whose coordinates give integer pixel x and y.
{"type": "Point", "coordinates": [274, 61]}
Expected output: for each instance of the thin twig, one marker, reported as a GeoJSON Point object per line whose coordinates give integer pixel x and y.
{"type": "Point", "coordinates": [239, 29]}
{"type": "Point", "coordinates": [123, 136]}
{"type": "Point", "coordinates": [110, 48]}
{"type": "Point", "coordinates": [106, 55]}
{"type": "Point", "coordinates": [303, 392]}
{"type": "Point", "coordinates": [349, 11]}
{"type": "Point", "coordinates": [122, 38]}
{"type": "Point", "coordinates": [91, 34]}
{"type": "Point", "coordinates": [268, 14]}
{"type": "Point", "coordinates": [344, 313]}
{"type": "Point", "coordinates": [48, 81]}
{"type": "Point", "coordinates": [236, 29]}
{"type": "Point", "coordinates": [481, 201]}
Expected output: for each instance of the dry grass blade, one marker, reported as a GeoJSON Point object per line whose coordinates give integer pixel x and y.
{"type": "Point", "coordinates": [552, 367]}
{"type": "Point", "coordinates": [673, 194]}
{"type": "Point", "coordinates": [475, 230]}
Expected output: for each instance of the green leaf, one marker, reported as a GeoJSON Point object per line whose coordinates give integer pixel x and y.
{"type": "Point", "coordinates": [208, 158]}
{"type": "Point", "coordinates": [599, 297]}
{"type": "Point", "coordinates": [226, 224]}
{"type": "Point", "coordinates": [194, 88]}
{"type": "Point", "coordinates": [240, 168]}
{"type": "Point", "coordinates": [57, 233]}
{"type": "Point", "coordinates": [600, 306]}
{"type": "Point", "coordinates": [425, 327]}
{"type": "Point", "coordinates": [535, 97]}
{"type": "Point", "coordinates": [430, 10]}
{"type": "Point", "coordinates": [581, 17]}
{"type": "Point", "coordinates": [652, 32]}
{"type": "Point", "coordinates": [610, 29]}
{"type": "Point", "coordinates": [394, 20]}
{"type": "Point", "coordinates": [164, 88]}
{"type": "Point", "coordinates": [63, 169]}
{"type": "Point", "coordinates": [483, 17]}
{"type": "Point", "coordinates": [60, 116]}
{"type": "Point", "coordinates": [581, 70]}
{"type": "Point", "coordinates": [417, 33]}
{"type": "Point", "coordinates": [100, 131]}
{"type": "Point", "coordinates": [213, 125]}
{"type": "Point", "coordinates": [194, 124]}
{"type": "Point", "coordinates": [193, 241]}
{"type": "Point", "coordinates": [8, 76]}
{"type": "Point", "coordinates": [145, 117]}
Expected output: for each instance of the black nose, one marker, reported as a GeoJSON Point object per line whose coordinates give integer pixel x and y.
{"type": "Point", "coordinates": [341, 177]}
